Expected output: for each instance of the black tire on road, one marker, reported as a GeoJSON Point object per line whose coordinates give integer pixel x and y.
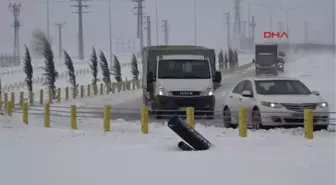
{"type": "Point", "coordinates": [227, 118]}
{"type": "Point", "coordinates": [256, 119]}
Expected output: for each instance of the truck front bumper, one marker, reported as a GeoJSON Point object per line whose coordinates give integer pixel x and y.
{"type": "Point", "coordinates": [180, 103]}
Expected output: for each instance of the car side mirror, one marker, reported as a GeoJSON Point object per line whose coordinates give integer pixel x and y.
{"type": "Point", "coordinates": [150, 77]}
{"type": "Point", "coordinates": [218, 77]}
{"type": "Point", "coordinates": [317, 93]}
{"type": "Point", "coordinates": [247, 94]}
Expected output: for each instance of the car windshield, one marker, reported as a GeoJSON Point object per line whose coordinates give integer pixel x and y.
{"type": "Point", "coordinates": [184, 69]}
{"type": "Point", "coordinates": [281, 87]}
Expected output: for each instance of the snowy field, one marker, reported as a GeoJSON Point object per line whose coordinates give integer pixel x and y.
{"type": "Point", "coordinates": [33, 155]}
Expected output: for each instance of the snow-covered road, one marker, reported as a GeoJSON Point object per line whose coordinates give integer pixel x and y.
{"type": "Point", "coordinates": [33, 155]}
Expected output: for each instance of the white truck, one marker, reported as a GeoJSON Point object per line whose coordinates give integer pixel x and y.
{"type": "Point", "coordinates": [173, 81]}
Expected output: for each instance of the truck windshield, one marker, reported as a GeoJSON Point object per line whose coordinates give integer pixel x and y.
{"type": "Point", "coordinates": [184, 69]}
{"type": "Point", "coordinates": [281, 87]}
{"type": "Point", "coordinates": [265, 60]}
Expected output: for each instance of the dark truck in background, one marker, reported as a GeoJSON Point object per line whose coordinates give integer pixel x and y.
{"type": "Point", "coordinates": [281, 61]}
{"type": "Point", "coordinates": [266, 59]}
{"type": "Point", "coordinates": [168, 85]}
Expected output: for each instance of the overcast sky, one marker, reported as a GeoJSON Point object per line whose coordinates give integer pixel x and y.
{"type": "Point", "coordinates": [211, 29]}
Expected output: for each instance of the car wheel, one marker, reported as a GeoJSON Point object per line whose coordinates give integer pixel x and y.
{"type": "Point", "coordinates": [256, 119]}
{"type": "Point", "coordinates": [227, 118]}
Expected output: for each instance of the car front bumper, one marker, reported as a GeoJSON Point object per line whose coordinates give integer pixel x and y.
{"type": "Point", "coordinates": [284, 117]}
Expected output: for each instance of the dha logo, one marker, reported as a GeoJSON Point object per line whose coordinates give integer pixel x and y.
{"type": "Point", "coordinates": [271, 35]}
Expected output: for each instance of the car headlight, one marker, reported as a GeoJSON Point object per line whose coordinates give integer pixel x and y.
{"type": "Point", "coordinates": [323, 105]}
{"type": "Point", "coordinates": [161, 90]}
{"type": "Point", "coordinates": [272, 105]}
{"type": "Point", "coordinates": [208, 92]}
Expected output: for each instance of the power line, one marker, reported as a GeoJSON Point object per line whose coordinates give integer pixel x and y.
{"type": "Point", "coordinates": [15, 9]}
{"type": "Point", "coordinates": [80, 5]}
{"type": "Point", "coordinates": [60, 26]}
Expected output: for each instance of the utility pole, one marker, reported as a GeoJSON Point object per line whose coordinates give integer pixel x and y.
{"type": "Point", "coordinates": [195, 23]}
{"type": "Point", "coordinates": [280, 26]}
{"type": "Point", "coordinates": [228, 28]}
{"type": "Point", "coordinates": [237, 22]}
{"type": "Point", "coordinates": [110, 30]}
{"type": "Point", "coordinates": [80, 5]}
{"type": "Point", "coordinates": [139, 13]}
{"type": "Point", "coordinates": [333, 25]}
{"type": "Point", "coordinates": [48, 19]}
{"type": "Point", "coordinates": [60, 26]}
{"type": "Point", "coordinates": [165, 29]}
{"type": "Point", "coordinates": [253, 25]}
{"type": "Point", "coordinates": [15, 9]}
{"type": "Point", "coordinates": [157, 21]}
{"type": "Point", "coordinates": [244, 29]}
{"type": "Point", "coordinates": [249, 19]}
{"type": "Point", "coordinates": [148, 28]}
{"type": "Point", "coordinates": [305, 29]}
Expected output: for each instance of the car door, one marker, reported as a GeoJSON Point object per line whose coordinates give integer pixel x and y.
{"type": "Point", "coordinates": [235, 96]}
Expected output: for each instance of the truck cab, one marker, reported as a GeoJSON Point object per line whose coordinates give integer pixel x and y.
{"type": "Point", "coordinates": [181, 81]}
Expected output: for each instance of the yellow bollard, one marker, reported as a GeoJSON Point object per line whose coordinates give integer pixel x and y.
{"type": "Point", "coordinates": [21, 99]}
{"type": "Point", "coordinates": [10, 108]}
{"type": "Point", "coordinates": [133, 84]}
{"type": "Point", "coordinates": [308, 124]}
{"type": "Point", "coordinates": [101, 88]}
{"type": "Point", "coordinates": [31, 98]}
{"type": "Point", "coordinates": [190, 111]}
{"type": "Point", "coordinates": [5, 100]}
{"type": "Point", "coordinates": [107, 118]}
{"type": "Point", "coordinates": [113, 87]}
{"type": "Point", "coordinates": [13, 99]}
{"type": "Point", "coordinates": [73, 117]}
{"type": "Point", "coordinates": [242, 125]}
{"type": "Point", "coordinates": [95, 90]}
{"type": "Point", "coordinates": [41, 96]}
{"type": "Point", "coordinates": [25, 113]}
{"type": "Point", "coordinates": [123, 85]}
{"type": "Point", "coordinates": [144, 120]}
{"type": "Point", "coordinates": [88, 90]}
{"type": "Point", "coordinates": [74, 92]}
{"type": "Point", "coordinates": [50, 96]}
{"type": "Point", "coordinates": [47, 115]}
{"type": "Point", "coordinates": [81, 91]}
{"type": "Point", "coordinates": [67, 93]}
{"type": "Point", "coordinates": [119, 86]}
{"type": "Point", "coordinates": [59, 95]}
